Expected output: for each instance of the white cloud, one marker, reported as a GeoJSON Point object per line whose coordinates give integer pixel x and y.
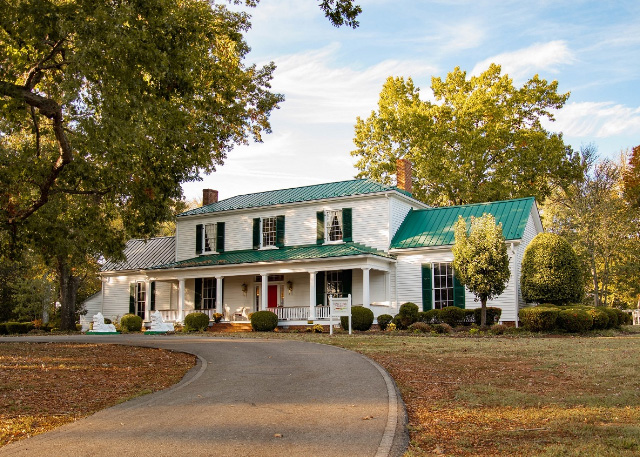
{"type": "Point", "coordinates": [597, 120]}
{"type": "Point", "coordinates": [522, 64]}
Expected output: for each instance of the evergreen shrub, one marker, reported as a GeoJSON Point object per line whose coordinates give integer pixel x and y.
{"type": "Point", "coordinates": [470, 316]}
{"type": "Point", "coordinates": [551, 271]}
{"type": "Point", "coordinates": [600, 318]}
{"type": "Point", "coordinates": [574, 320]}
{"type": "Point", "coordinates": [384, 320]}
{"type": "Point", "coordinates": [264, 321]}
{"type": "Point", "coordinates": [613, 317]}
{"type": "Point", "coordinates": [538, 319]}
{"type": "Point", "coordinates": [429, 317]}
{"type": "Point", "coordinates": [452, 315]}
{"type": "Point", "coordinates": [196, 322]}
{"type": "Point", "coordinates": [493, 315]}
{"type": "Point", "coordinates": [442, 328]}
{"type": "Point", "coordinates": [408, 315]}
{"type": "Point", "coordinates": [20, 328]}
{"type": "Point", "coordinates": [130, 323]}
{"type": "Point", "coordinates": [361, 319]}
{"type": "Point", "coordinates": [622, 316]}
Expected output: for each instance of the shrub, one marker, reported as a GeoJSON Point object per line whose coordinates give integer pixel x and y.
{"type": "Point", "coordinates": [498, 329]}
{"type": "Point", "coordinates": [384, 320]}
{"type": "Point", "coordinates": [3, 328]}
{"type": "Point", "coordinates": [538, 319]}
{"type": "Point", "coordinates": [217, 317]}
{"type": "Point", "coordinates": [442, 328]}
{"type": "Point", "coordinates": [470, 316]}
{"type": "Point", "coordinates": [408, 315]}
{"type": "Point", "coordinates": [361, 319]}
{"type": "Point", "coordinates": [196, 322]}
{"type": "Point", "coordinates": [493, 315]}
{"type": "Point", "coordinates": [420, 327]}
{"type": "Point", "coordinates": [452, 315]}
{"type": "Point", "coordinates": [600, 318]}
{"type": "Point", "coordinates": [264, 321]}
{"type": "Point", "coordinates": [622, 316]}
{"type": "Point", "coordinates": [391, 327]}
{"type": "Point", "coordinates": [317, 328]}
{"type": "Point", "coordinates": [613, 317]}
{"type": "Point", "coordinates": [574, 320]}
{"type": "Point", "coordinates": [551, 271]}
{"type": "Point", "coordinates": [131, 323]}
{"type": "Point", "coordinates": [429, 317]}
{"type": "Point", "coordinates": [19, 327]}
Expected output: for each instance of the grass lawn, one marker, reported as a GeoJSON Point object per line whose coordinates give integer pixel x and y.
{"type": "Point", "coordinates": [45, 385]}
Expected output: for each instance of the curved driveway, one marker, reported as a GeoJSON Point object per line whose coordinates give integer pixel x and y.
{"type": "Point", "coordinates": [245, 397]}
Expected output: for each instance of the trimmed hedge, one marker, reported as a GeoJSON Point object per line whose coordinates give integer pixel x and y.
{"type": "Point", "coordinates": [384, 320]}
{"type": "Point", "coordinates": [429, 317]}
{"type": "Point", "coordinates": [574, 320]}
{"type": "Point", "coordinates": [361, 319]}
{"type": "Point", "coordinates": [451, 315]}
{"type": "Point", "coordinates": [21, 328]}
{"type": "Point", "coordinates": [130, 323]}
{"type": "Point", "coordinates": [264, 321]}
{"type": "Point", "coordinates": [613, 317]}
{"type": "Point", "coordinates": [538, 319]}
{"type": "Point", "coordinates": [493, 315]}
{"type": "Point", "coordinates": [600, 318]}
{"type": "Point", "coordinates": [407, 315]}
{"type": "Point", "coordinates": [197, 322]}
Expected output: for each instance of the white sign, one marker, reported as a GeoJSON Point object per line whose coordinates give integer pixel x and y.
{"type": "Point", "coordinates": [339, 307]}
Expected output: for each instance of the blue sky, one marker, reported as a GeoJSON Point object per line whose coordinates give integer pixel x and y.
{"type": "Point", "coordinates": [330, 76]}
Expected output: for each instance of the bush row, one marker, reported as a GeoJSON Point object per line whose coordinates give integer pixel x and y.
{"type": "Point", "coordinates": [451, 315]}
{"type": "Point", "coordinates": [13, 328]}
{"type": "Point", "coordinates": [572, 318]}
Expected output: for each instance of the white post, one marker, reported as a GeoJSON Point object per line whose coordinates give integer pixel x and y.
{"type": "Point", "coordinates": [181, 300]}
{"type": "Point", "coordinates": [219, 303]}
{"type": "Point", "coordinates": [312, 295]}
{"type": "Point", "coordinates": [366, 300]}
{"type": "Point", "coordinates": [387, 287]}
{"type": "Point", "coordinates": [147, 300]}
{"type": "Point", "coordinates": [265, 289]}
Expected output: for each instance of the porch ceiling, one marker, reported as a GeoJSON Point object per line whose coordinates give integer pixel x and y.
{"type": "Point", "coordinates": [284, 254]}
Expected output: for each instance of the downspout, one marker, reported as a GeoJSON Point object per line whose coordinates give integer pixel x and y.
{"type": "Point", "coordinates": [516, 282]}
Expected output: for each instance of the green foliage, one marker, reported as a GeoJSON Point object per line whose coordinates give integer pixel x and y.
{"type": "Point", "coordinates": [613, 316]}
{"type": "Point", "coordinates": [407, 315]}
{"type": "Point", "coordinates": [3, 328]}
{"type": "Point", "coordinates": [452, 315]}
{"type": "Point", "coordinates": [420, 327]}
{"type": "Point", "coordinates": [538, 319]}
{"type": "Point", "coordinates": [493, 315]}
{"type": "Point", "coordinates": [429, 317]}
{"type": "Point", "coordinates": [130, 323]}
{"type": "Point", "coordinates": [361, 319]}
{"type": "Point", "coordinates": [623, 317]}
{"type": "Point", "coordinates": [574, 320]}
{"type": "Point", "coordinates": [384, 320]}
{"type": "Point", "coordinates": [600, 318]}
{"type": "Point", "coordinates": [551, 271]}
{"type": "Point", "coordinates": [485, 132]}
{"type": "Point", "coordinates": [264, 321]}
{"type": "Point", "coordinates": [631, 178]}
{"type": "Point", "coordinates": [480, 259]}
{"type": "Point", "coordinates": [21, 328]}
{"type": "Point", "coordinates": [442, 328]}
{"type": "Point", "coordinates": [196, 322]}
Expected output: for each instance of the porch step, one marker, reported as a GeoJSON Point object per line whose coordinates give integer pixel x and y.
{"type": "Point", "coordinates": [230, 327]}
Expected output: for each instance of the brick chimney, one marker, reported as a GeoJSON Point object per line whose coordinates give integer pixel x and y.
{"type": "Point", "coordinates": [209, 196]}
{"type": "Point", "coordinates": [404, 175]}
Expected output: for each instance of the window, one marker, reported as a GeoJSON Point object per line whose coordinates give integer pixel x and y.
{"type": "Point", "coordinates": [210, 235]}
{"type": "Point", "coordinates": [334, 225]}
{"type": "Point", "coordinates": [268, 231]}
{"type": "Point", "coordinates": [208, 293]}
{"type": "Point", "coordinates": [442, 285]}
{"type": "Point", "coordinates": [141, 299]}
{"type": "Point", "coordinates": [334, 284]}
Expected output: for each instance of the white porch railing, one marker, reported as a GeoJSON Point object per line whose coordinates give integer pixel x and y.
{"type": "Point", "coordinates": [299, 313]}
{"type": "Point", "coordinates": [171, 315]}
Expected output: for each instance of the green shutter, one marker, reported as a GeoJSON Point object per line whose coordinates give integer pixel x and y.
{"type": "Point", "coordinates": [347, 276]}
{"type": "Point", "coordinates": [198, 293]}
{"type": "Point", "coordinates": [132, 298]}
{"type": "Point", "coordinates": [347, 234]}
{"type": "Point", "coordinates": [458, 292]}
{"type": "Point", "coordinates": [320, 288]}
{"type": "Point", "coordinates": [427, 288]}
{"type": "Point", "coordinates": [199, 229]}
{"type": "Point", "coordinates": [220, 237]}
{"type": "Point", "coordinates": [320, 229]}
{"type": "Point", "coordinates": [280, 231]}
{"type": "Point", "coordinates": [152, 299]}
{"type": "Point", "coordinates": [256, 233]}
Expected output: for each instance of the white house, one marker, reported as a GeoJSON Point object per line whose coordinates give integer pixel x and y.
{"type": "Point", "coordinates": [288, 250]}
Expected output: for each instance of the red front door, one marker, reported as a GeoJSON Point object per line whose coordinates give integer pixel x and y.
{"type": "Point", "coordinates": [272, 298]}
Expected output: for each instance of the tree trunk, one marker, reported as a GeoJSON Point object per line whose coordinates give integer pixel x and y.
{"type": "Point", "coordinates": [483, 312]}
{"type": "Point", "coordinates": [594, 274]}
{"type": "Point", "coordinates": [68, 290]}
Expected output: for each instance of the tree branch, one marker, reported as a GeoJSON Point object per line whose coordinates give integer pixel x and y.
{"type": "Point", "coordinates": [37, 129]}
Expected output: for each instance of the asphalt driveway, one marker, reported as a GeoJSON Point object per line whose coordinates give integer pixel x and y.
{"type": "Point", "coordinates": [244, 397]}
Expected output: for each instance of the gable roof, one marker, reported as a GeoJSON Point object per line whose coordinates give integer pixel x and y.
{"type": "Point", "coordinates": [283, 254]}
{"type": "Point", "coordinates": [296, 195]}
{"type": "Point", "coordinates": [435, 226]}
{"type": "Point", "coordinates": [140, 254]}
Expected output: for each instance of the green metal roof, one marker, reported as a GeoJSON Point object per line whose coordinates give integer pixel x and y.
{"type": "Point", "coordinates": [295, 195]}
{"type": "Point", "coordinates": [435, 226]}
{"type": "Point", "coordinates": [287, 253]}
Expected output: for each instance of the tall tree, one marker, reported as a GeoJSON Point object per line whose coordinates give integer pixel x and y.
{"type": "Point", "coordinates": [480, 259]}
{"type": "Point", "coordinates": [482, 140]}
{"type": "Point", "coordinates": [631, 178]}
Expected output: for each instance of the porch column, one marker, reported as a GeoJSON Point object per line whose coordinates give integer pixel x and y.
{"type": "Point", "coordinates": [366, 301]}
{"type": "Point", "coordinates": [219, 304]}
{"type": "Point", "coordinates": [387, 286]}
{"type": "Point", "coordinates": [264, 292]}
{"type": "Point", "coordinates": [181, 300]}
{"type": "Point", "coordinates": [312, 295]}
{"type": "Point", "coordinates": [147, 300]}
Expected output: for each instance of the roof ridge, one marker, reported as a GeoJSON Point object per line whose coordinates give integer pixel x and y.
{"type": "Point", "coordinates": [475, 204]}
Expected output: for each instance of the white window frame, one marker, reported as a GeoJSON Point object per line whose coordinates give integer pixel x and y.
{"type": "Point", "coordinates": [265, 222]}
{"type": "Point", "coordinates": [329, 217]}
{"type": "Point", "coordinates": [447, 276]}
{"type": "Point", "coordinates": [334, 277]}
{"type": "Point", "coordinates": [209, 238]}
{"type": "Point", "coordinates": [141, 298]}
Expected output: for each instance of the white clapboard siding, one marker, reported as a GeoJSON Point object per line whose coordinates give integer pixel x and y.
{"type": "Point", "coordinates": [164, 296]}
{"type": "Point", "coordinates": [93, 305]}
{"type": "Point", "coordinates": [398, 211]}
{"type": "Point", "coordinates": [116, 292]}
{"type": "Point", "coordinates": [530, 232]}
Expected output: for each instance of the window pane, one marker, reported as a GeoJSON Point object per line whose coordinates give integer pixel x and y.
{"type": "Point", "coordinates": [334, 225]}
{"type": "Point", "coordinates": [268, 231]}
{"type": "Point", "coordinates": [210, 237]}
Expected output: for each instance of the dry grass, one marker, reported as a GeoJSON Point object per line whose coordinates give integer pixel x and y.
{"type": "Point", "coordinates": [44, 385]}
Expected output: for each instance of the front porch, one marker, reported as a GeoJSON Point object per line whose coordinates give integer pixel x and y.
{"type": "Point", "coordinates": [286, 315]}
